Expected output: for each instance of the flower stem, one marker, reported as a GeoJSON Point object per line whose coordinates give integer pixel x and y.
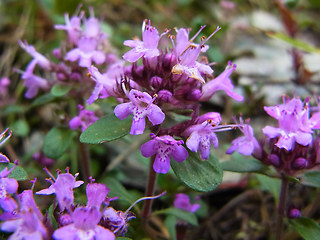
{"type": "Point", "coordinates": [281, 207]}
{"type": "Point", "coordinates": [84, 159]}
{"type": "Point", "coordinates": [146, 212]}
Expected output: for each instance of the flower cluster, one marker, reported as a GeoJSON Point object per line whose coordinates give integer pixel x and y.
{"type": "Point", "coordinates": [293, 144]}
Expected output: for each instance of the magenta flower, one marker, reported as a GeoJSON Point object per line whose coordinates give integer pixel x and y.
{"type": "Point", "coordinates": [37, 57]}
{"type": "Point", "coordinates": [148, 47]}
{"type": "Point", "coordinates": [141, 105]}
{"type": "Point", "coordinates": [222, 82]}
{"type": "Point", "coordinates": [201, 135]}
{"type": "Point", "coordinates": [294, 123]}
{"type": "Point", "coordinates": [106, 84]}
{"type": "Point", "coordinates": [96, 194]}
{"type": "Point", "coordinates": [182, 201]}
{"type": "Point", "coordinates": [246, 144]}
{"type": "Point", "coordinates": [187, 60]}
{"type": "Point", "coordinates": [72, 27]}
{"type": "Point", "coordinates": [86, 53]}
{"type": "Point", "coordinates": [63, 188]}
{"type": "Point", "coordinates": [8, 186]}
{"type": "Point", "coordinates": [28, 222]}
{"type": "Point", "coordinates": [164, 147]}
{"type": "Point", "coordinates": [85, 226]}
{"type": "Point", "coordinates": [83, 120]}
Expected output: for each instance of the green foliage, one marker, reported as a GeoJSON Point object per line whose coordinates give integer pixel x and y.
{"type": "Point", "coordinates": [56, 142]}
{"type": "Point", "coordinates": [311, 179]}
{"type": "Point", "coordinates": [200, 175]}
{"type": "Point", "coordinates": [18, 173]}
{"type": "Point", "coordinates": [308, 228]}
{"type": "Point", "coordinates": [20, 128]}
{"type": "Point", "coordinates": [186, 216]}
{"type": "Point", "coordinates": [240, 163]}
{"type": "Point", "coordinates": [170, 223]}
{"type": "Point", "coordinates": [106, 129]}
{"type": "Point", "coordinates": [60, 90]}
{"type": "Point", "coordinates": [272, 185]}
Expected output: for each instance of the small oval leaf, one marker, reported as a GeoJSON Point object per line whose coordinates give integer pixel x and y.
{"type": "Point", "coordinates": [106, 129]}
{"type": "Point", "coordinates": [186, 216]}
{"type": "Point", "coordinates": [18, 173]}
{"type": "Point", "coordinates": [56, 142]}
{"type": "Point", "coordinates": [200, 175]}
{"type": "Point", "coordinates": [60, 90]}
{"type": "Point", "coordinates": [308, 228]}
{"type": "Point", "coordinates": [240, 163]}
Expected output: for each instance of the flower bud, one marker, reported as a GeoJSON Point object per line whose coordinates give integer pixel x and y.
{"type": "Point", "coordinates": [194, 95]}
{"type": "Point", "coordinates": [75, 76]}
{"type": "Point", "coordinates": [61, 76]}
{"type": "Point", "coordinates": [65, 219]}
{"type": "Point", "coordinates": [155, 81]}
{"type": "Point", "coordinates": [56, 53]}
{"type": "Point", "coordinates": [299, 163]}
{"type": "Point", "coordinates": [165, 95]}
{"type": "Point", "coordinates": [294, 213]}
{"type": "Point", "coordinates": [274, 160]}
{"type": "Point", "coordinates": [169, 61]}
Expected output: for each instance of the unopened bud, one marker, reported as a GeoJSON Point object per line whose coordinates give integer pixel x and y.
{"type": "Point", "coordinates": [75, 76]}
{"type": "Point", "coordinates": [169, 60]}
{"type": "Point", "coordinates": [294, 213]}
{"type": "Point", "coordinates": [299, 163]}
{"type": "Point", "coordinates": [56, 53]}
{"type": "Point", "coordinates": [65, 219]}
{"type": "Point", "coordinates": [194, 95]}
{"type": "Point", "coordinates": [155, 81]}
{"type": "Point", "coordinates": [165, 95]}
{"type": "Point", "coordinates": [274, 160]}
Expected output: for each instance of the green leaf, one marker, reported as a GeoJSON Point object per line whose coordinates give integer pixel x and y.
{"type": "Point", "coordinates": [200, 175]}
{"type": "Point", "coordinates": [56, 142]}
{"type": "Point", "coordinates": [170, 223]}
{"type": "Point", "coordinates": [107, 128]}
{"type": "Point", "coordinates": [20, 128]}
{"type": "Point", "coordinates": [271, 185]}
{"type": "Point", "coordinates": [295, 42]}
{"type": "Point", "coordinates": [18, 173]}
{"type": "Point", "coordinates": [311, 179]}
{"type": "Point", "coordinates": [13, 109]}
{"type": "Point", "coordinates": [240, 163]}
{"type": "Point", "coordinates": [60, 90]}
{"type": "Point", "coordinates": [123, 238]}
{"type": "Point", "coordinates": [186, 216]}
{"type": "Point", "coordinates": [308, 228]}
{"type": "Point", "coordinates": [44, 99]}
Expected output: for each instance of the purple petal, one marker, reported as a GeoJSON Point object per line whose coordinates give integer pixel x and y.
{"type": "Point", "coordinates": [132, 43]}
{"type": "Point", "coordinates": [204, 150]}
{"type": "Point", "coordinates": [179, 153]}
{"type": "Point", "coordinates": [285, 141]}
{"type": "Point", "coordinates": [98, 57]}
{"type": "Point", "coordinates": [75, 123]}
{"type": "Point", "coordinates": [271, 132]}
{"type": "Point", "coordinates": [161, 164]}
{"type": "Point", "coordinates": [193, 141]}
{"type": "Point", "coordinates": [8, 204]}
{"type": "Point", "coordinates": [123, 110]}
{"type": "Point", "coordinates": [150, 38]}
{"type": "Point", "coordinates": [102, 233]}
{"type": "Point", "coordinates": [4, 158]}
{"type": "Point", "coordinates": [11, 185]}
{"type": "Point", "coordinates": [66, 233]}
{"type": "Point", "coordinates": [95, 93]}
{"type": "Point", "coordinates": [150, 53]}
{"type": "Point", "coordinates": [85, 61]}
{"type": "Point", "coordinates": [138, 126]}
{"type": "Point", "coordinates": [73, 55]}
{"type": "Point", "coordinates": [133, 55]}
{"type": "Point", "coordinates": [149, 148]}
{"type": "Point", "coordinates": [96, 194]}
{"type": "Point", "coordinates": [155, 114]}
{"type": "Point", "coordinates": [303, 138]}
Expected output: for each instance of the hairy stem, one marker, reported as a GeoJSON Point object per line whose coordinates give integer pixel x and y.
{"type": "Point", "coordinates": [151, 184]}
{"type": "Point", "coordinates": [281, 207]}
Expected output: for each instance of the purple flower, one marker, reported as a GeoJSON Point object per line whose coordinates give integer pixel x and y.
{"type": "Point", "coordinates": [83, 120]}
{"type": "Point", "coordinates": [141, 105]}
{"type": "Point", "coordinates": [85, 226]}
{"type": "Point", "coordinates": [222, 82]}
{"type": "Point", "coordinates": [182, 201]}
{"type": "Point", "coordinates": [4, 83]}
{"type": "Point", "coordinates": [33, 83]}
{"type": "Point", "coordinates": [164, 147]}
{"type": "Point", "coordinates": [28, 222]}
{"type": "Point", "coordinates": [63, 188]}
{"type": "Point", "coordinates": [86, 53]}
{"type": "Point", "coordinates": [92, 27]}
{"type": "Point", "coordinates": [294, 124]}
{"type": "Point", "coordinates": [96, 194]}
{"type": "Point", "coordinates": [117, 221]}
{"type": "Point", "coordinates": [187, 60]}
{"type": "Point", "coordinates": [8, 186]}
{"type": "Point", "coordinates": [246, 144]}
{"type": "Point", "coordinates": [106, 84]}
{"type": "Point", "coordinates": [72, 27]}
{"type": "Point", "coordinates": [201, 135]}
{"type": "Point", "coordinates": [148, 47]}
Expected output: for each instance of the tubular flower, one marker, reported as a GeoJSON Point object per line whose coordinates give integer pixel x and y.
{"type": "Point", "coordinates": [148, 47]}
{"type": "Point", "coordinates": [141, 105]}
{"type": "Point", "coordinates": [164, 147]}
{"type": "Point", "coordinates": [294, 123]}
